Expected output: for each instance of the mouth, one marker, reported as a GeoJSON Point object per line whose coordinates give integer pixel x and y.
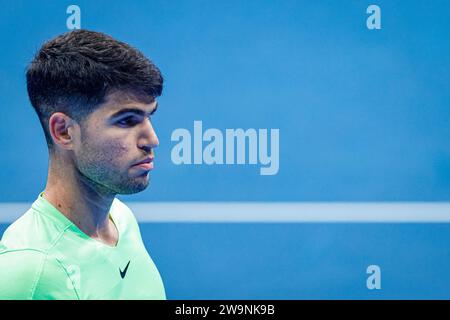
{"type": "Point", "coordinates": [146, 164]}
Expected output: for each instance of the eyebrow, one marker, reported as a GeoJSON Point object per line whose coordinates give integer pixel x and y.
{"type": "Point", "coordinates": [136, 111]}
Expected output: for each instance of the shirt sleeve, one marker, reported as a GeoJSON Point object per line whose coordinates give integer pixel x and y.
{"type": "Point", "coordinates": [19, 272]}
{"type": "Point", "coordinates": [31, 274]}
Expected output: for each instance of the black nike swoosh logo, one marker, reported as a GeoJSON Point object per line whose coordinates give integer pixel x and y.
{"type": "Point", "coordinates": [124, 272]}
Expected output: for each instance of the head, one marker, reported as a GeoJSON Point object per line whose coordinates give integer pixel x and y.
{"type": "Point", "coordinates": [94, 97]}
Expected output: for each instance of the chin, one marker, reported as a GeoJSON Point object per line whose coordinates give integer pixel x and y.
{"type": "Point", "coordinates": [136, 186]}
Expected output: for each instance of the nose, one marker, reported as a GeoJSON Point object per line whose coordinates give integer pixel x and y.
{"type": "Point", "coordinates": [148, 138]}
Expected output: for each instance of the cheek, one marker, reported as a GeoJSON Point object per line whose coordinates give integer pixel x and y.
{"type": "Point", "coordinates": [115, 152]}
{"type": "Point", "coordinates": [103, 147]}
{"type": "Point", "coordinates": [107, 153]}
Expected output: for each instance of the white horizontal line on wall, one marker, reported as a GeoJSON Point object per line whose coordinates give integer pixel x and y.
{"type": "Point", "coordinates": [273, 212]}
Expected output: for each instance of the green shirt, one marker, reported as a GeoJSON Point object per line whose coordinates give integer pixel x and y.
{"type": "Point", "coordinates": [43, 255]}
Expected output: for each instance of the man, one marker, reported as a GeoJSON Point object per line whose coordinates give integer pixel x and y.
{"type": "Point", "coordinates": [94, 96]}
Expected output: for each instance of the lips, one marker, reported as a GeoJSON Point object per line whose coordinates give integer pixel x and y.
{"type": "Point", "coordinates": [146, 160]}
{"type": "Point", "coordinates": [146, 164]}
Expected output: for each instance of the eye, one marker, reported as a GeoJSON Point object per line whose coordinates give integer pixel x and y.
{"type": "Point", "coordinates": [127, 122]}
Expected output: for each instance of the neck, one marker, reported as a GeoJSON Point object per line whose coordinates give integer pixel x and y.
{"type": "Point", "coordinates": [81, 200]}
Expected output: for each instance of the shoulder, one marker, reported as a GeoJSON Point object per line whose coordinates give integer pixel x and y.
{"type": "Point", "coordinates": [19, 272]}
{"type": "Point", "coordinates": [125, 220]}
{"type": "Point", "coordinates": [32, 230]}
{"type": "Point", "coordinates": [32, 274]}
{"type": "Point", "coordinates": [119, 205]}
{"type": "Point", "coordinates": [122, 212]}
{"type": "Point", "coordinates": [18, 231]}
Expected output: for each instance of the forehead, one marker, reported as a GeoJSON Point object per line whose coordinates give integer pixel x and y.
{"type": "Point", "coordinates": [121, 100]}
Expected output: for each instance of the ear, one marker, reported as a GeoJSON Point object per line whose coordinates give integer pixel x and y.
{"type": "Point", "coordinates": [62, 129]}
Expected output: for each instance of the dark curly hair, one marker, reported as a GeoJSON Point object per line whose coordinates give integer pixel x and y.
{"type": "Point", "coordinates": [74, 72]}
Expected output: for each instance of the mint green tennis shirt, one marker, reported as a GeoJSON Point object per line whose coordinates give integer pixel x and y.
{"type": "Point", "coordinates": [43, 255]}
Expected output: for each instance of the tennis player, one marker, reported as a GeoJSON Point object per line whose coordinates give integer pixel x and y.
{"type": "Point", "coordinates": [94, 97]}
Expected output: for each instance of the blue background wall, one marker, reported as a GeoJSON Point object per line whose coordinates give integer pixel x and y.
{"type": "Point", "coordinates": [363, 116]}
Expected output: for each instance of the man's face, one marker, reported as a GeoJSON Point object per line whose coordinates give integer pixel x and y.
{"type": "Point", "coordinates": [114, 138]}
